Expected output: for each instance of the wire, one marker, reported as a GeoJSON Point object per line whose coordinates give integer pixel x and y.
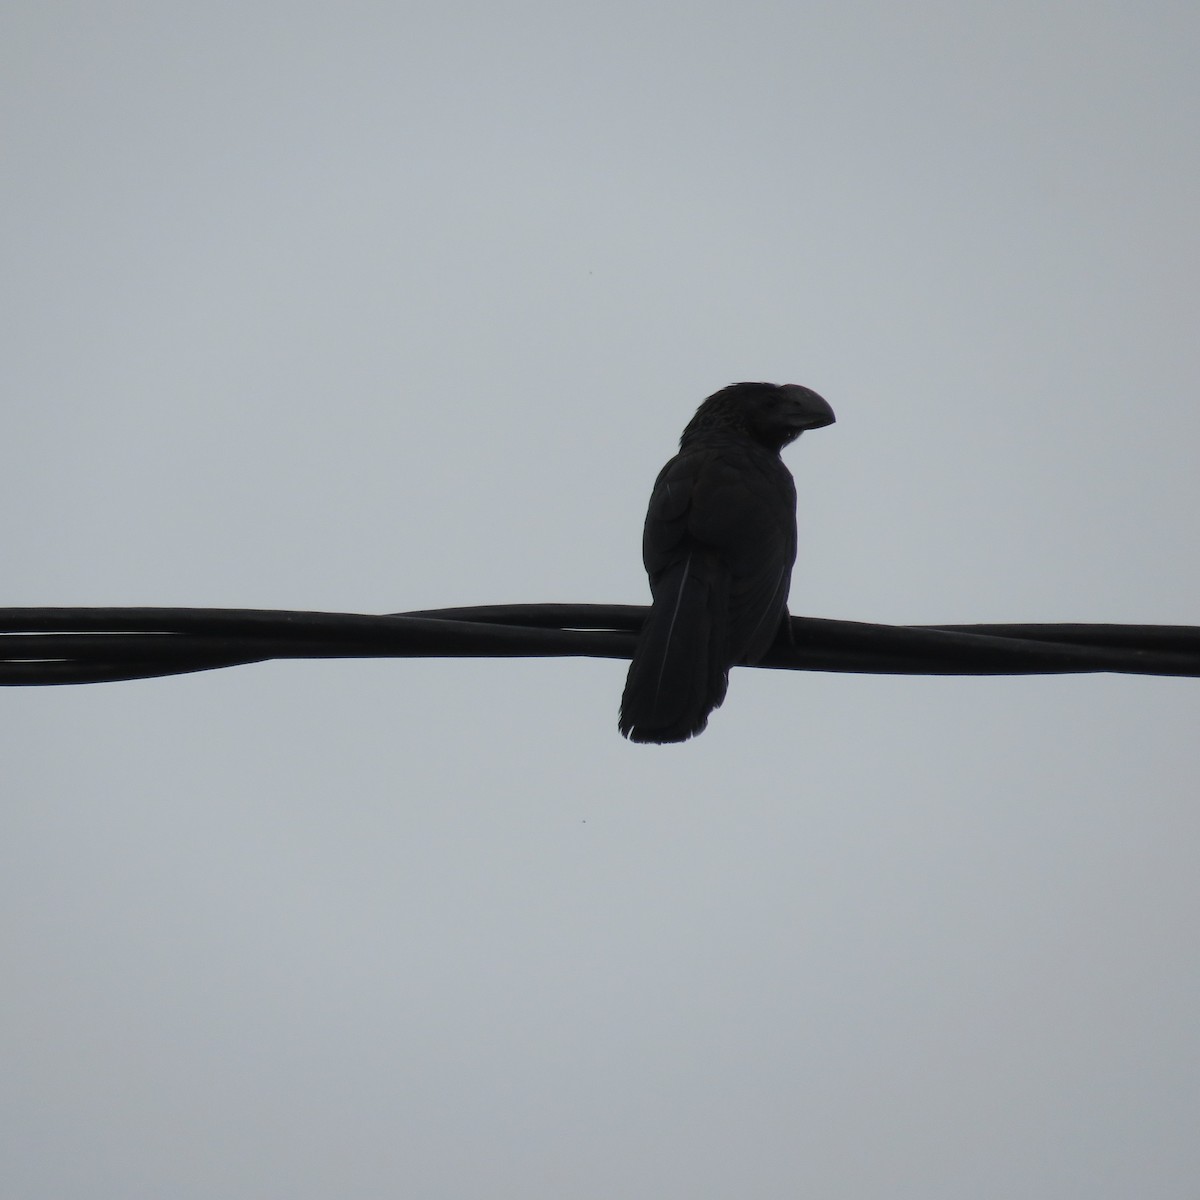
{"type": "Point", "coordinates": [43, 646]}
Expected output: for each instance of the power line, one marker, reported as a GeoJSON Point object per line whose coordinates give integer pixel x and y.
{"type": "Point", "coordinates": [42, 646]}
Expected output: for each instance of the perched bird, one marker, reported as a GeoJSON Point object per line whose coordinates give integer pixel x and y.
{"type": "Point", "coordinates": [719, 544]}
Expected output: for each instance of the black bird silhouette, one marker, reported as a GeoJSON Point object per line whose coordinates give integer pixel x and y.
{"type": "Point", "coordinates": [719, 544]}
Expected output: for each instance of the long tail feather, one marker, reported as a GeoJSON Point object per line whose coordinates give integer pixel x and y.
{"type": "Point", "coordinates": [680, 670]}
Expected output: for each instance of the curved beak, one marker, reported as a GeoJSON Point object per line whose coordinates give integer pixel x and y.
{"type": "Point", "coordinates": [808, 411]}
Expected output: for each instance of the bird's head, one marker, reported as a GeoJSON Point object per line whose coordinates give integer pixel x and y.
{"type": "Point", "coordinates": [771, 414]}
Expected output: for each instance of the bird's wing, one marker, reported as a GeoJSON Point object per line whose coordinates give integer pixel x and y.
{"type": "Point", "coordinates": [743, 507]}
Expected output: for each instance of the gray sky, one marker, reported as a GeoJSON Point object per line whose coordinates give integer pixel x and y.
{"type": "Point", "coordinates": [366, 307]}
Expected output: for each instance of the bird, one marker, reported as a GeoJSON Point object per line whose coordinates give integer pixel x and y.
{"type": "Point", "coordinates": [719, 544]}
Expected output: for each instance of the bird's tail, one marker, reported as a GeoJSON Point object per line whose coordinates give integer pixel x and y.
{"type": "Point", "coordinates": [680, 669]}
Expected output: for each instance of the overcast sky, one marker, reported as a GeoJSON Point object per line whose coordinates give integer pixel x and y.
{"type": "Point", "coordinates": [370, 307]}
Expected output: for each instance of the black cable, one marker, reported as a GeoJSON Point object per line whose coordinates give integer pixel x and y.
{"type": "Point", "coordinates": [45, 646]}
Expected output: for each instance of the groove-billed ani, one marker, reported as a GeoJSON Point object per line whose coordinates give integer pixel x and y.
{"type": "Point", "coordinates": [719, 544]}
